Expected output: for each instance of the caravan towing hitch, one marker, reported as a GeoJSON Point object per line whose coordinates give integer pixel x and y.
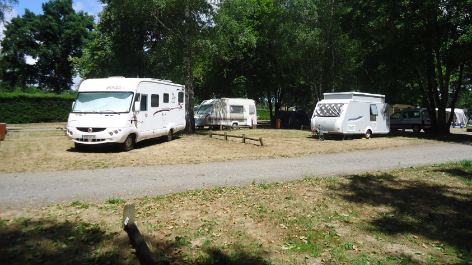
{"type": "Point", "coordinates": [318, 131]}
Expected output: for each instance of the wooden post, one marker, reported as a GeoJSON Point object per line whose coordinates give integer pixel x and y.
{"type": "Point", "coordinates": [221, 127]}
{"type": "Point", "coordinates": [260, 140]}
{"type": "Point", "coordinates": [226, 136]}
{"type": "Point", "coordinates": [244, 138]}
{"type": "Point", "coordinates": [143, 252]}
{"type": "Point", "coordinates": [210, 133]}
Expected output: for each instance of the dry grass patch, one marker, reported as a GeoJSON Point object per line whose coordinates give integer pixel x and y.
{"type": "Point", "coordinates": [34, 151]}
{"type": "Point", "coordinates": [408, 216]}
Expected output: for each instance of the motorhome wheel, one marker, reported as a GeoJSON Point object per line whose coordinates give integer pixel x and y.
{"type": "Point", "coordinates": [170, 134]}
{"type": "Point", "coordinates": [128, 144]}
{"type": "Point", "coordinates": [368, 134]}
{"type": "Point", "coordinates": [416, 128]}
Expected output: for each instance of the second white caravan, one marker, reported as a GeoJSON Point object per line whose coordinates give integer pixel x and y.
{"type": "Point", "coordinates": [125, 111]}
{"type": "Point", "coordinates": [351, 113]}
{"type": "Point", "coordinates": [234, 112]}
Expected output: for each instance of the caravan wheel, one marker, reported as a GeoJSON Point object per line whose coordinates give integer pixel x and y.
{"type": "Point", "coordinates": [170, 135]}
{"type": "Point", "coordinates": [235, 126]}
{"type": "Point", "coordinates": [128, 144]}
{"type": "Point", "coordinates": [368, 134]}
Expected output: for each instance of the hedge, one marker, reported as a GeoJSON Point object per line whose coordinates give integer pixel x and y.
{"type": "Point", "coordinates": [19, 108]}
{"type": "Point", "coordinates": [263, 114]}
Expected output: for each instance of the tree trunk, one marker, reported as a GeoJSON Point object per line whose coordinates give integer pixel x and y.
{"type": "Point", "coordinates": [189, 95]}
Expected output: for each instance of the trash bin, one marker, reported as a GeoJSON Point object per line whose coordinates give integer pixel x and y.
{"type": "Point", "coordinates": [3, 131]}
{"type": "Point", "coordinates": [278, 124]}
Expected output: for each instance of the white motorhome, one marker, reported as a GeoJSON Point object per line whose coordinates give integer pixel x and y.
{"type": "Point", "coordinates": [234, 112]}
{"type": "Point", "coordinates": [125, 111]}
{"type": "Point", "coordinates": [350, 113]}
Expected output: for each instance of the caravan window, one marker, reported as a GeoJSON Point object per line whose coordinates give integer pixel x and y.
{"type": "Point", "coordinates": [166, 98]}
{"type": "Point", "coordinates": [328, 109]}
{"type": "Point", "coordinates": [204, 109]}
{"type": "Point", "coordinates": [143, 102]}
{"type": "Point", "coordinates": [373, 110]}
{"type": "Point", "coordinates": [154, 101]}
{"type": "Point", "coordinates": [252, 109]}
{"type": "Point", "coordinates": [236, 109]}
{"type": "Point", "coordinates": [181, 97]}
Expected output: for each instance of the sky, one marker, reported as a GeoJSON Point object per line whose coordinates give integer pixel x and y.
{"type": "Point", "coordinates": [92, 7]}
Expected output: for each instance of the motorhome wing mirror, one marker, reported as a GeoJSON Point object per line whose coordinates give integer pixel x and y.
{"type": "Point", "coordinates": [73, 105]}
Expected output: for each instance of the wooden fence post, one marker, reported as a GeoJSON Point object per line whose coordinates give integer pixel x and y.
{"type": "Point", "coordinates": [226, 136]}
{"type": "Point", "coordinates": [244, 138]}
{"type": "Point", "coordinates": [260, 140]}
{"type": "Point", "coordinates": [210, 134]}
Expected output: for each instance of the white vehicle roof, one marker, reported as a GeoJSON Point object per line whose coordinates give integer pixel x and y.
{"type": "Point", "coordinates": [354, 96]}
{"type": "Point", "coordinates": [117, 84]}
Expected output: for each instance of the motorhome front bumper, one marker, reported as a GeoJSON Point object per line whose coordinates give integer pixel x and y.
{"type": "Point", "coordinates": [97, 135]}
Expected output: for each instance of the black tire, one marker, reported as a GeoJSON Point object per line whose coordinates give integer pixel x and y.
{"type": "Point", "coordinates": [368, 134]}
{"type": "Point", "coordinates": [81, 147]}
{"type": "Point", "coordinates": [128, 144]}
{"type": "Point", "coordinates": [170, 135]}
{"type": "Point", "coordinates": [234, 126]}
{"type": "Point", "coordinates": [416, 128]}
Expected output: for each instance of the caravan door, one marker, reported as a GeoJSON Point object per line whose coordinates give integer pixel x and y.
{"type": "Point", "coordinates": [236, 113]}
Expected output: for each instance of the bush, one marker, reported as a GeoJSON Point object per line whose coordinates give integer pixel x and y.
{"type": "Point", "coordinates": [263, 114]}
{"type": "Point", "coordinates": [32, 108]}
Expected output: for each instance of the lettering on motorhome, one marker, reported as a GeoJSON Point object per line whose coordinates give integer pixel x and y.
{"type": "Point", "coordinates": [114, 87]}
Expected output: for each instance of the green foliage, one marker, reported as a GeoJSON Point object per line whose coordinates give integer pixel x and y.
{"type": "Point", "coordinates": [263, 114]}
{"type": "Point", "coordinates": [32, 108]}
{"type": "Point", "coordinates": [52, 38]}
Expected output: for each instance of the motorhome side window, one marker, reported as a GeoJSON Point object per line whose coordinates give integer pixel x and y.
{"type": "Point", "coordinates": [136, 99]}
{"type": "Point", "coordinates": [373, 112]}
{"type": "Point", "coordinates": [143, 102]}
{"type": "Point", "coordinates": [154, 101]}
{"type": "Point", "coordinates": [236, 109]}
{"type": "Point", "coordinates": [181, 97]}
{"type": "Point", "coordinates": [166, 98]}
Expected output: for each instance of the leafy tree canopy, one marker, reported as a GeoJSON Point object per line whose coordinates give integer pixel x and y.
{"type": "Point", "coordinates": [52, 38]}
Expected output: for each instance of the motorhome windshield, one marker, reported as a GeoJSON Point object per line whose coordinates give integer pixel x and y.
{"type": "Point", "coordinates": [106, 102]}
{"type": "Point", "coordinates": [328, 110]}
{"type": "Point", "coordinates": [205, 109]}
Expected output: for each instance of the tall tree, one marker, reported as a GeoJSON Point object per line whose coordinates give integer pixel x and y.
{"type": "Point", "coordinates": [423, 44]}
{"type": "Point", "coordinates": [52, 38]}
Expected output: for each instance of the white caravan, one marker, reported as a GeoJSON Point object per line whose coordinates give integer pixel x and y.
{"type": "Point", "coordinates": [125, 111]}
{"type": "Point", "coordinates": [349, 113]}
{"type": "Point", "coordinates": [234, 112]}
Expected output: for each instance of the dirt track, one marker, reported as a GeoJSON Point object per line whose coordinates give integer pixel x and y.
{"type": "Point", "coordinates": [30, 190]}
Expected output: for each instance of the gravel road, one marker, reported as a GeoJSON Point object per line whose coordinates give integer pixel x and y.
{"type": "Point", "coordinates": [31, 190]}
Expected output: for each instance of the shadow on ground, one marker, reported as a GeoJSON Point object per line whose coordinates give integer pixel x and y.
{"type": "Point", "coordinates": [448, 138]}
{"type": "Point", "coordinates": [23, 241]}
{"type": "Point", "coordinates": [113, 148]}
{"type": "Point", "coordinates": [438, 213]}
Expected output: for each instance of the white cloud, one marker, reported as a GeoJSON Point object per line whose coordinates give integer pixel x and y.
{"type": "Point", "coordinates": [92, 7]}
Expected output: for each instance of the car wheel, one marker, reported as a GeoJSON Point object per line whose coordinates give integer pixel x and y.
{"type": "Point", "coordinates": [128, 144]}
{"type": "Point", "coordinates": [368, 134]}
{"type": "Point", "coordinates": [170, 135]}
{"type": "Point", "coordinates": [416, 128]}
{"type": "Point", "coordinates": [80, 147]}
